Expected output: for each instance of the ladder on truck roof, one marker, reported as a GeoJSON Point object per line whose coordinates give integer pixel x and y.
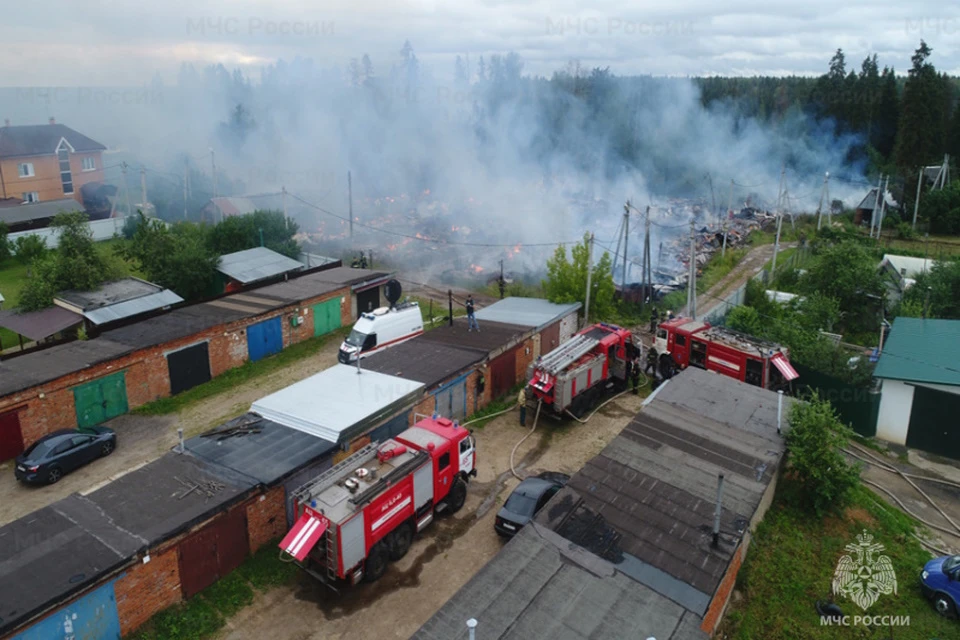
{"type": "Point", "coordinates": [330, 476]}
{"type": "Point", "coordinates": [558, 359]}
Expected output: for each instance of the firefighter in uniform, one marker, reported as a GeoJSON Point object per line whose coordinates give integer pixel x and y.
{"type": "Point", "coordinates": [654, 317]}
{"type": "Point", "coordinates": [636, 375]}
{"type": "Point", "coordinates": [629, 372]}
{"type": "Point", "coordinates": [651, 367]}
{"type": "Point", "coordinates": [522, 404]}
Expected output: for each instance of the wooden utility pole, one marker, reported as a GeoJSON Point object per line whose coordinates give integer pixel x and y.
{"type": "Point", "coordinates": [283, 200]}
{"type": "Point", "coordinates": [916, 203]}
{"type": "Point", "coordinates": [126, 187]}
{"type": "Point", "coordinates": [776, 246]}
{"type": "Point", "coordinates": [586, 305]}
{"type": "Point", "coordinates": [647, 258]}
{"type": "Point", "coordinates": [626, 236]}
{"type": "Point", "coordinates": [213, 169]}
{"type": "Point", "coordinates": [143, 187]}
{"type": "Point", "coordinates": [350, 203]}
{"type": "Point", "coordinates": [823, 194]}
{"type": "Point", "coordinates": [692, 280]}
{"type": "Point", "coordinates": [450, 303]}
{"type": "Point", "coordinates": [876, 205]}
{"type": "Point", "coordinates": [723, 250]}
{"type": "Point", "coordinates": [883, 206]}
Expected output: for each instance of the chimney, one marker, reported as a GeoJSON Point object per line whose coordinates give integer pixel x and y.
{"type": "Point", "coordinates": [52, 121]}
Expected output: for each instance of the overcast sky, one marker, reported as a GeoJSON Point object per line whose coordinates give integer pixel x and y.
{"type": "Point", "coordinates": [66, 42]}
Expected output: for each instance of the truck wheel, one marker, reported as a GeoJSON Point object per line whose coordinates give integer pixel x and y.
{"type": "Point", "coordinates": [376, 563]}
{"type": "Point", "coordinates": [944, 605]}
{"type": "Point", "coordinates": [400, 541]}
{"type": "Point", "coordinates": [458, 495]}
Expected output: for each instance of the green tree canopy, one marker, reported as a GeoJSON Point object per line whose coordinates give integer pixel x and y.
{"type": "Point", "coordinates": [922, 115]}
{"type": "Point", "coordinates": [567, 278]}
{"type": "Point", "coordinates": [4, 243]}
{"type": "Point", "coordinates": [176, 257]}
{"type": "Point", "coordinates": [814, 443]}
{"type": "Point", "coordinates": [75, 264]}
{"type": "Point", "coordinates": [847, 272]}
{"type": "Point", "coordinates": [236, 233]}
{"type": "Point", "coordinates": [942, 283]}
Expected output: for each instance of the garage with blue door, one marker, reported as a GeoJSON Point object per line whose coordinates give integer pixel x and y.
{"type": "Point", "coordinates": [451, 399]}
{"type": "Point", "coordinates": [265, 338]}
{"type": "Point", "coordinates": [92, 616]}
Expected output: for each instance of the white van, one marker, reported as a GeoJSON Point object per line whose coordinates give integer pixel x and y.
{"type": "Point", "coordinates": [380, 329]}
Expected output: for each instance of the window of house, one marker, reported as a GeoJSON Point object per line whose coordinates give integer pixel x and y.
{"type": "Point", "coordinates": [25, 169]}
{"type": "Point", "coordinates": [31, 196]}
{"type": "Point", "coordinates": [89, 164]}
{"type": "Point", "coordinates": [66, 176]}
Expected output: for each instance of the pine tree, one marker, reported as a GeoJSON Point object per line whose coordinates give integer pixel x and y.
{"type": "Point", "coordinates": [953, 139]}
{"type": "Point", "coordinates": [869, 95]}
{"type": "Point", "coordinates": [920, 132]}
{"type": "Point", "coordinates": [888, 114]}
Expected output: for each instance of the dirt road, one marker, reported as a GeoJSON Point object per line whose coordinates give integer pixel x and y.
{"type": "Point", "coordinates": [447, 554]}
{"type": "Point", "coordinates": [142, 439]}
{"type": "Point", "coordinates": [750, 266]}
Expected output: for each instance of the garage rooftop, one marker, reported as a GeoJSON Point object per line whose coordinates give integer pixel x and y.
{"type": "Point", "coordinates": [117, 299]}
{"type": "Point", "coordinates": [155, 502]}
{"type": "Point", "coordinates": [492, 337]}
{"type": "Point", "coordinates": [338, 403]}
{"type": "Point", "coordinates": [527, 312]}
{"type": "Point", "coordinates": [54, 552]}
{"type": "Point", "coordinates": [267, 456]}
{"type": "Point", "coordinates": [258, 263]}
{"type": "Point", "coordinates": [538, 586]}
{"type": "Point", "coordinates": [422, 361]}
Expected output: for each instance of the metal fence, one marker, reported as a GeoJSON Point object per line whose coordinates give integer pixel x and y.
{"type": "Point", "coordinates": [858, 407]}
{"type": "Point", "coordinates": [102, 230]}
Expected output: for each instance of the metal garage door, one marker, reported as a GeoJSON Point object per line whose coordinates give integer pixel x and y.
{"type": "Point", "coordinates": [368, 300]}
{"type": "Point", "coordinates": [92, 616]}
{"type": "Point", "coordinates": [11, 438]}
{"type": "Point", "coordinates": [265, 338]}
{"type": "Point", "coordinates": [100, 400]}
{"type": "Point", "coordinates": [451, 399]}
{"type": "Point", "coordinates": [213, 552]}
{"type": "Point", "coordinates": [188, 367]}
{"type": "Point", "coordinates": [933, 422]}
{"type": "Point", "coordinates": [549, 338]}
{"type": "Point", "coordinates": [503, 373]}
{"type": "Point", "coordinates": [326, 317]}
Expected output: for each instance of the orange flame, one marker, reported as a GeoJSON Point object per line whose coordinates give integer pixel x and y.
{"type": "Point", "coordinates": [476, 268]}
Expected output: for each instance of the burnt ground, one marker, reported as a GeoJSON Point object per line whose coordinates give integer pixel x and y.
{"type": "Point", "coordinates": [447, 554]}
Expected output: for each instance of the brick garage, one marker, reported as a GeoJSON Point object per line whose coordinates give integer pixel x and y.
{"type": "Point", "coordinates": [144, 589]}
{"type": "Point", "coordinates": [40, 384]}
{"type": "Point", "coordinates": [266, 517]}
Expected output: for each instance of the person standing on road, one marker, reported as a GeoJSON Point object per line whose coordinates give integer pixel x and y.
{"type": "Point", "coordinates": [471, 318]}
{"type": "Point", "coordinates": [654, 317]}
{"type": "Point", "coordinates": [636, 375]}
{"type": "Point", "coordinates": [522, 404]}
{"type": "Point", "coordinates": [651, 367]}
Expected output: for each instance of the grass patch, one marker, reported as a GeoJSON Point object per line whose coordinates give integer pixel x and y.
{"type": "Point", "coordinates": [229, 595]}
{"type": "Point", "coordinates": [205, 614]}
{"type": "Point", "coordinates": [265, 570]}
{"type": "Point", "coordinates": [239, 375]}
{"type": "Point", "coordinates": [790, 565]}
{"type": "Point", "coordinates": [193, 620]}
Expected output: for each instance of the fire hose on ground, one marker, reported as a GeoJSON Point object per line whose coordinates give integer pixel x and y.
{"type": "Point", "coordinates": [876, 462]}
{"type": "Point", "coordinates": [517, 446]}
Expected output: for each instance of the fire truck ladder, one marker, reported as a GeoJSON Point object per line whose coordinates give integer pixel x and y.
{"type": "Point", "coordinates": [330, 555]}
{"type": "Point", "coordinates": [558, 359]}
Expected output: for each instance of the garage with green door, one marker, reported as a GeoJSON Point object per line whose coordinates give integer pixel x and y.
{"type": "Point", "coordinates": [101, 399]}
{"type": "Point", "coordinates": [920, 392]}
{"type": "Point", "coordinates": [326, 316]}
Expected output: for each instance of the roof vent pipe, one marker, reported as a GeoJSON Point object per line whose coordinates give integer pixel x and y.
{"type": "Point", "coordinates": [716, 513]}
{"type": "Point", "coordinates": [472, 628]}
{"type": "Point", "coordinates": [779, 411]}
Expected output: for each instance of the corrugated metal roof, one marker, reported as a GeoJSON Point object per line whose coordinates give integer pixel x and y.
{"type": "Point", "coordinates": [42, 139]}
{"type": "Point", "coordinates": [259, 263]}
{"type": "Point", "coordinates": [919, 350]}
{"type": "Point", "coordinates": [38, 325]}
{"type": "Point", "coordinates": [526, 312]}
{"type": "Point", "coordinates": [267, 456]}
{"type": "Point", "coordinates": [133, 307]}
{"type": "Point", "coordinates": [338, 403]}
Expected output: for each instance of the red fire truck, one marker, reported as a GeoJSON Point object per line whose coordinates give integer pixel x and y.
{"type": "Point", "coordinates": [574, 375]}
{"type": "Point", "coordinates": [683, 342]}
{"type": "Point", "coordinates": [356, 517]}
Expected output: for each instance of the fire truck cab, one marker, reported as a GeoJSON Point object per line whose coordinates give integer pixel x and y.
{"type": "Point", "coordinates": [365, 511]}
{"type": "Point", "coordinates": [684, 342]}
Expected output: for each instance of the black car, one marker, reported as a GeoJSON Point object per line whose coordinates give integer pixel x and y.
{"type": "Point", "coordinates": [526, 500]}
{"type": "Point", "coordinates": [61, 452]}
